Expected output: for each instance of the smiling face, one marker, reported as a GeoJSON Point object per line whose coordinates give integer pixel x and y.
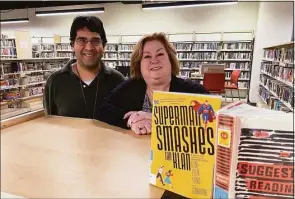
{"type": "Point", "coordinates": [88, 54]}
{"type": "Point", "coordinates": [155, 65]}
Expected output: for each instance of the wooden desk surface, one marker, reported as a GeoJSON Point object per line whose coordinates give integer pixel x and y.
{"type": "Point", "coordinates": [74, 158]}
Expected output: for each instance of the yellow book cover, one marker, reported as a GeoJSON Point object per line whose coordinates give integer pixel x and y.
{"type": "Point", "coordinates": [183, 143]}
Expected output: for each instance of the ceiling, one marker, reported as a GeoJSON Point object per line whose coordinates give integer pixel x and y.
{"type": "Point", "coordinates": [8, 5]}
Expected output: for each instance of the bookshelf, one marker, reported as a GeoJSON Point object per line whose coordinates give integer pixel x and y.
{"type": "Point", "coordinates": [43, 47]}
{"type": "Point", "coordinates": [276, 87]}
{"type": "Point", "coordinates": [235, 55]}
{"type": "Point", "coordinates": [22, 83]}
{"type": "Point", "coordinates": [8, 47]}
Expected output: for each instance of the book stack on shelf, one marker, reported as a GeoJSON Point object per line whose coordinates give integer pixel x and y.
{"type": "Point", "coordinates": [277, 77]}
{"type": "Point", "coordinates": [111, 55]}
{"type": "Point", "coordinates": [192, 54]}
{"type": "Point", "coordinates": [22, 84]}
{"type": "Point", "coordinates": [43, 50]}
{"type": "Point", "coordinates": [64, 50]}
{"type": "Point", "coordinates": [8, 47]}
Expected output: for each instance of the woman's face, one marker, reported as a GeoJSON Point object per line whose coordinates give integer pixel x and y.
{"type": "Point", "coordinates": [155, 65]}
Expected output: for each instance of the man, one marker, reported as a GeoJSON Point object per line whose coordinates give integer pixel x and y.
{"type": "Point", "coordinates": [79, 88]}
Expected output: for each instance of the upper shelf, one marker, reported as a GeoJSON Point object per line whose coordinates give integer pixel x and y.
{"type": "Point", "coordinates": [285, 45]}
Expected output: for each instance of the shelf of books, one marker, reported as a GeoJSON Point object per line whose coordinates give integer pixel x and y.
{"type": "Point", "coordinates": [22, 84]}
{"type": "Point", "coordinates": [276, 88]}
{"type": "Point", "coordinates": [8, 47]}
{"type": "Point", "coordinates": [235, 55]}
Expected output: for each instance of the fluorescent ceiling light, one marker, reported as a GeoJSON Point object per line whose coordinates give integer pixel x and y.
{"type": "Point", "coordinates": [186, 4]}
{"type": "Point", "coordinates": [20, 20]}
{"type": "Point", "coordinates": [69, 12]}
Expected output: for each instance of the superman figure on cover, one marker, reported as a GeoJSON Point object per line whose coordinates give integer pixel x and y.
{"type": "Point", "coordinates": [206, 110]}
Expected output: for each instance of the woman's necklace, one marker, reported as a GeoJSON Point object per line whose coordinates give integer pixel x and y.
{"type": "Point", "coordinates": [85, 98]}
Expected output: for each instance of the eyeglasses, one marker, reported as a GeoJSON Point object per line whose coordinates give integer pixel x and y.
{"type": "Point", "coordinates": [83, 41]}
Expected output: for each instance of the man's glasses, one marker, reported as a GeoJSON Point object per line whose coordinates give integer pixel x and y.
{"type": "Point", "coordinates": [81, 41]}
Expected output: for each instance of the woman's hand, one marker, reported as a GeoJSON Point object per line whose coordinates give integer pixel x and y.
{"type": "Point", "coordinates": [136, 116]}
{"type": "Point", "coordinates": [142, 127]}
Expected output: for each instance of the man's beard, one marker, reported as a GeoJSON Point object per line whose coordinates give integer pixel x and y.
{"type": "Point", "coordinates": [92, 65]}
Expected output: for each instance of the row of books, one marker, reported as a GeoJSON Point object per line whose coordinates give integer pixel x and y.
{"type": "Point", "coordinates": [17, 67]}
{"type": "Point", "coordinates": [7, 43]}
{"type": "Point", "coordinates": [40, 47]}
{"type": "Point", "coordinates": [272, 102]}
{"type": "Point", "coordinates": [126, 47]}
{"type": "Point", "coordinates": [43, 55]}
{"type": "Point", "coordinates": [283, 73]}
{"type": "Point", "coordinates": [63, 47]}
{"type": "Point", "coordinates": [238, 46]}
{"type": "Point", "coordinates": [34, 78]}
{"type": "Point", "coordinates": [235, 55]}
{"type": "Point", "coordinates": [282, 55]}
{"type": "Point", "coordinates": [8, 51]}
{"type": "Point", "coordinates": [240, 84]}
{"type": "Point", "coordinates": [3, 36]}
{"type": "Point", "coordinates": [196, 46]}
{"type": "Point", "coordinates": [110, 55]}
{"type": "Point", "coordinates": [198, 56]}
{"type": "Point", "coordinates": [111, 47]}
{"type": "Point", "coordinates": [124, 55]}
{"type": "Point", "coordinates": [195, 55]}
{"type": "Point", "coordinates": [111, 64]}
{"type": "Point", "coordinates": [235, 65]}
{"type": "Point", "coordinates": [17, 94]}
{"type": "Point", "coordinates": [32, 91]}
{"type": "Point", "coordinates": [65, 54]}
{"type": "Point", "coordinates": [187, 64]}
{"type": "Point", "coordinates": [280, 90]}
{"type": "Point", "coordinates": [213, 46]}
{"type": "Point", "coordinates": [189, 46]}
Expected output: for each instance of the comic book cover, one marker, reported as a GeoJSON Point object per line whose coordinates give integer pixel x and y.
{"type": "Point", "coordinates": [254, 153]}
{"type": "Point", "coordinates": [182, 143]}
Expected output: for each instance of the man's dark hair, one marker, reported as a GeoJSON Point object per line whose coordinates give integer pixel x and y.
{"type": "Point", "coordinates": [92, 23]}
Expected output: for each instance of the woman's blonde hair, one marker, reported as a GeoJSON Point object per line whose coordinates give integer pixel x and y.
{"type": "Point", "coordinates": [136, 55]}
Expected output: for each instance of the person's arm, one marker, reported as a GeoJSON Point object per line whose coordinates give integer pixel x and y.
{"type": "Point", "coordinates": [199, 88]}
{"type": "Point", "coordinates": [50, 107]}
{"type": "Point", "coordinates": [116, 105]}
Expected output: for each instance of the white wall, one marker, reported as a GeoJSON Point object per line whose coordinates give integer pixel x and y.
{"type": "Point", "coordinates": [274, 26]}
{"type": "Point", "coordinates": [131, 19]}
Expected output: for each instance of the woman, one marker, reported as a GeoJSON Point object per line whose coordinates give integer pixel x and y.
{"type": "Point", "coordinates": [154, 67]}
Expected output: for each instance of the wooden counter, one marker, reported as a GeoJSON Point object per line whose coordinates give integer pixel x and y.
{"type": "Point", "coordinates": [61, 157]}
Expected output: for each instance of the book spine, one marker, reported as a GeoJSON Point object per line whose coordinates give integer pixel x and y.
{"type": "Point", "coordinates": [225, 157]}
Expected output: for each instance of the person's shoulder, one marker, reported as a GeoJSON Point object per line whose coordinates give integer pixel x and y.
{"type": "Point", "coordinates": [60, 74]}
{"type": "Point", "coordinates": [190, 86]}
{"type": "Point", "coordinates": [114, 72]}
{"type": "Point", "coordinates": [55, 77]}
{"type": "Point", "coordinates": [131, 84]}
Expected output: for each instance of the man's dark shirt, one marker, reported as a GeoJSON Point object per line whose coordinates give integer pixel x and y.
{"type": "Point", "coordinates": [63, 93]}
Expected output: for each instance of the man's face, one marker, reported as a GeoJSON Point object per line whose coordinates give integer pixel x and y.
{"type": "Point", "coordinates": [88, 48]}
